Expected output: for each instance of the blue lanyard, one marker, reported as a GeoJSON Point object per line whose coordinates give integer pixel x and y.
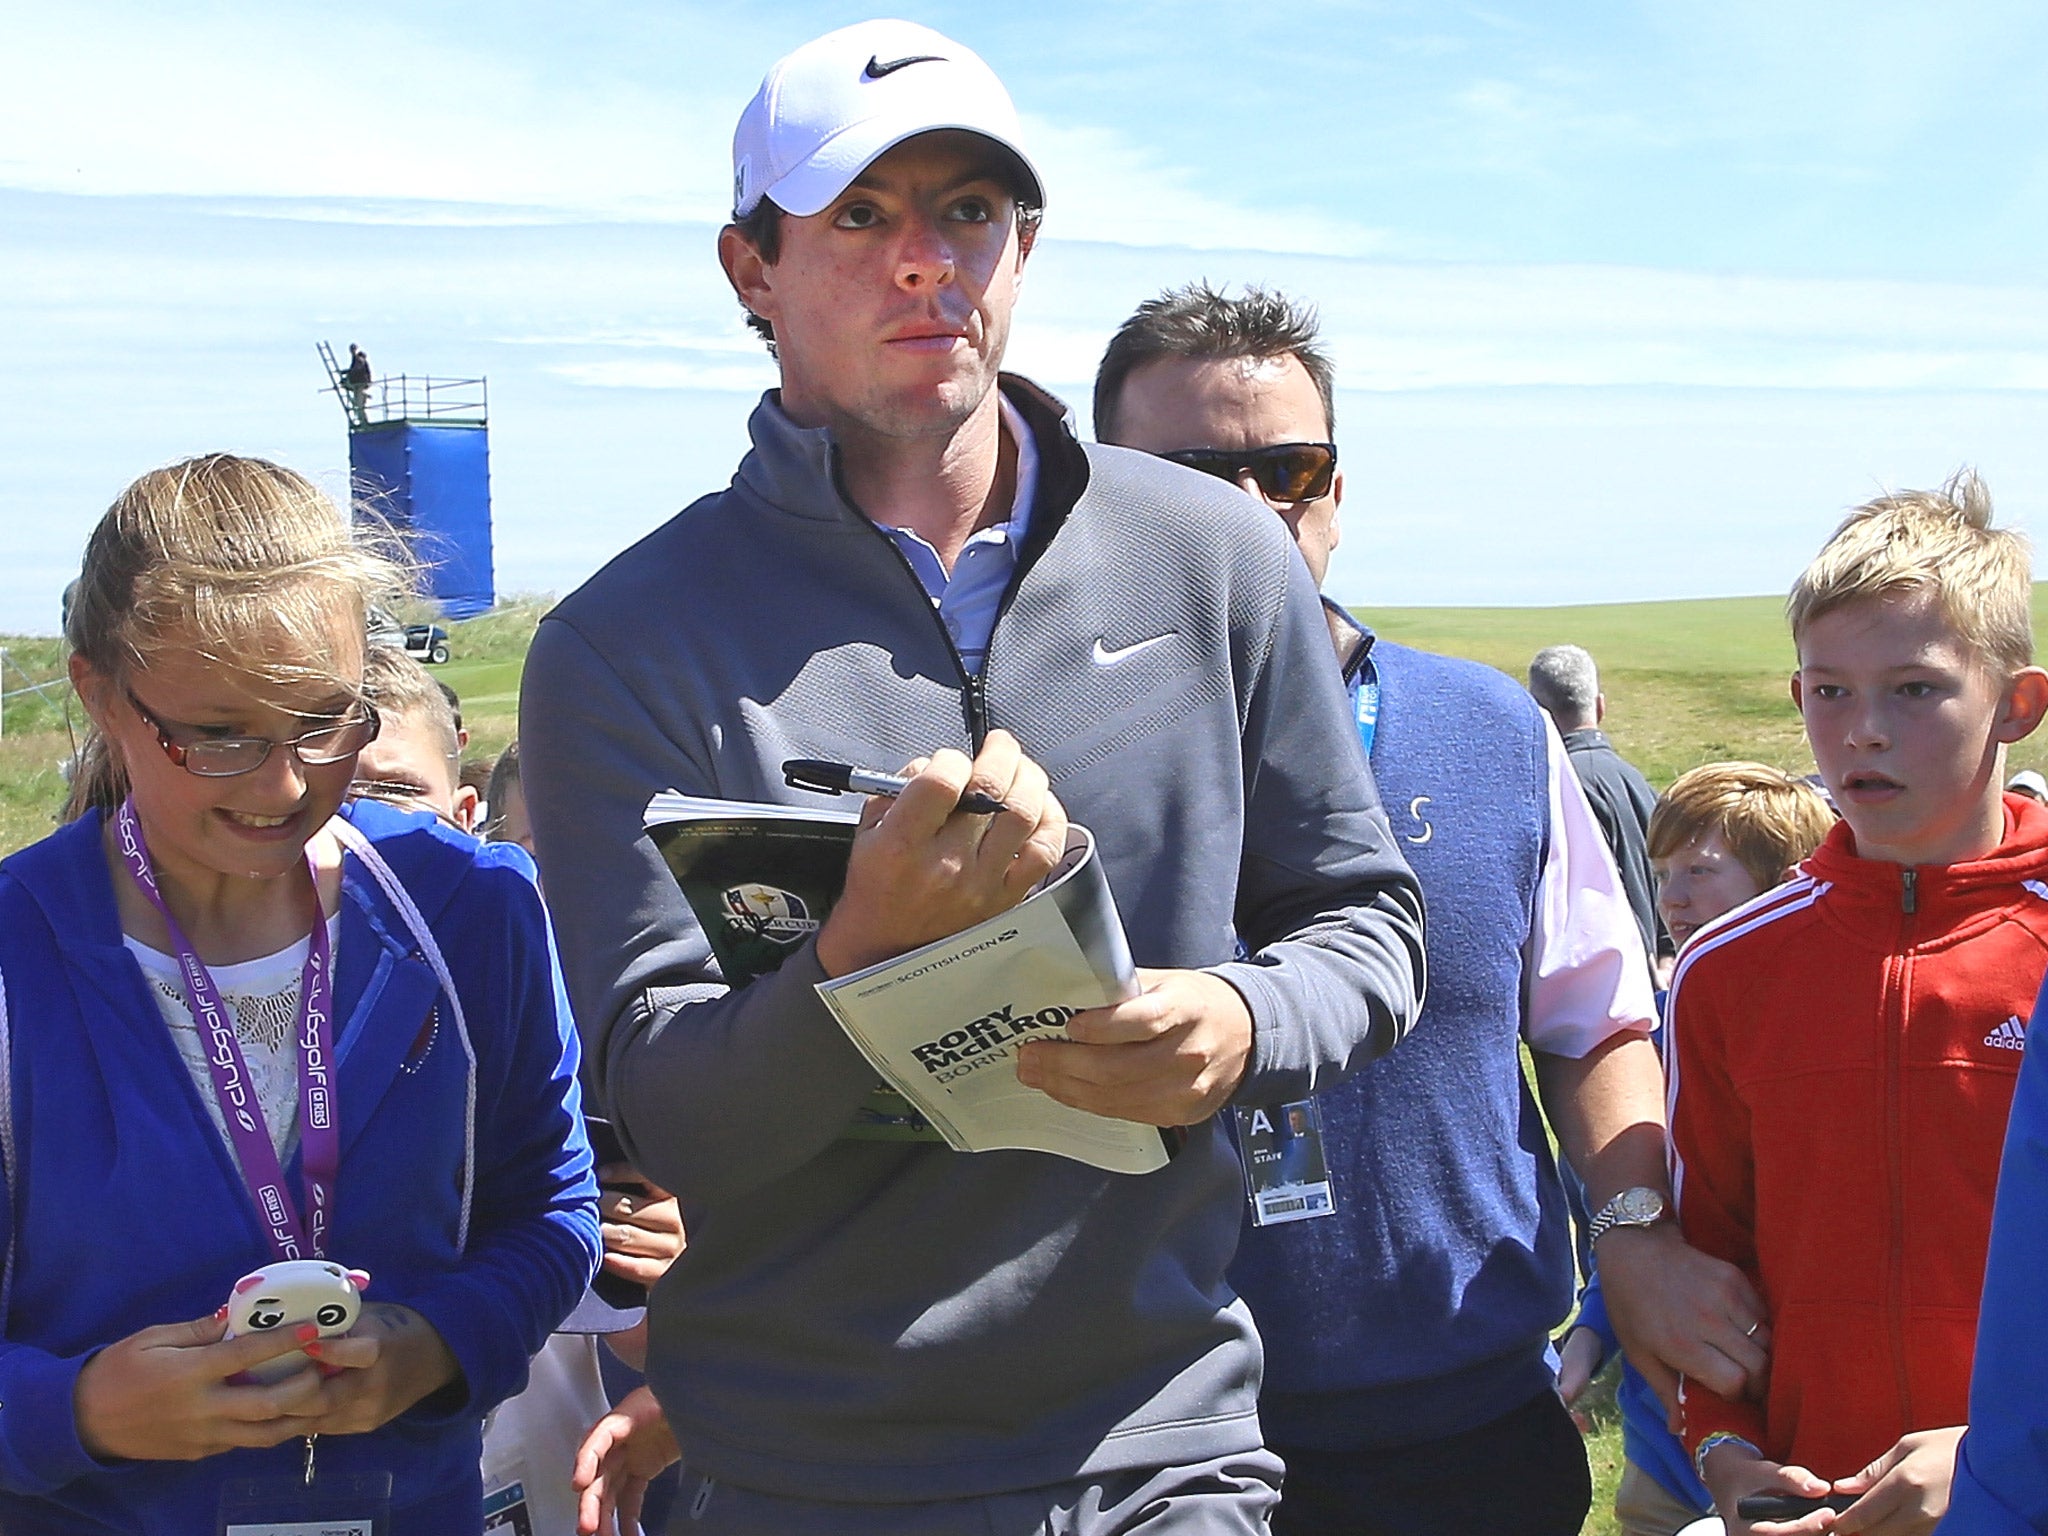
{"type": "Point", "coordinates": [1365, 700]}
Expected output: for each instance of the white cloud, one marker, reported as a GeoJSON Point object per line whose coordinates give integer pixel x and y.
{"type": "Point", "coordinates": [345, 102]}
{"type": "Point", "coordinates": [1503, 421]}
{"type": "Point", "coordinates": [1124, 193]}
{"type": "Point", "coordinates": [1540, 496]}
{"type": "Point", "coordinates": [737, 378]}
{"type": "Point", "coordinates": [357, 115]}
{"type": "Point", "coordinates": [430, 181]}
{"type": "Point", "coordinates": [1397, 326]}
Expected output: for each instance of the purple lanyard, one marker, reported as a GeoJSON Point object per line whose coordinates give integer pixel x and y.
{"type": "Point", "coordinates": [319, 1136]}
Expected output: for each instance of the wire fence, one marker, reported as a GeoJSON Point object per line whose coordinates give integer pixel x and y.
{"type": "Point", "coordinates": [53, 691]}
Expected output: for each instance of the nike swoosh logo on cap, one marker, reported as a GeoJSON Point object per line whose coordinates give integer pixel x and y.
{"type": "Point", "coordinates": [1105, 657]}
{"type": "Point", "coordinates": [877, 69]}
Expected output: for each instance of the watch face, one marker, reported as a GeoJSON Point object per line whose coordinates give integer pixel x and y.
{"type": "Point", "coordinates": [1640, 1207]}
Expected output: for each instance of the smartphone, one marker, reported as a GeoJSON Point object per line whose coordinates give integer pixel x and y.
{"type": "Point", "coordinates": [1790, 1506]}
{"type": "Point", "coordinates": [286, 1294]}
{"type": "Point", "coordinates": [613, 1290]}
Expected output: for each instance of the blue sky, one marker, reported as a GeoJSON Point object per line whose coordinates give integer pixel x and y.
{"type": "Point", "coordinates": [1628, 300]}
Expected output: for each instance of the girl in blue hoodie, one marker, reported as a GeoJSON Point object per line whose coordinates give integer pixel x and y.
{"type": "Point", "coordinates": [241, 1024]}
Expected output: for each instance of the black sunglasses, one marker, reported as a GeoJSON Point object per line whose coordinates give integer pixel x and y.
{"type": "Point", "coordinates": [1285, 471]}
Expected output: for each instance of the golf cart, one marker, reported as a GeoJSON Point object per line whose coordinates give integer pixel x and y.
{"type": "Point", "coordinates": [426, 642]}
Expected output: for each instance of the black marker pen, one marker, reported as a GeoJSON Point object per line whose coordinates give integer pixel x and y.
{"type": "Point", "coordinates": [844, 778]}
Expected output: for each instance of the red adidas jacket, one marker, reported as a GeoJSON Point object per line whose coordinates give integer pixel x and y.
{"type": "Point", "coordinates": [1842, 1054]}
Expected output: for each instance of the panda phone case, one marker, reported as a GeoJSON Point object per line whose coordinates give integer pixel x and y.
{"type": "Point", "coordinates": [287, 1294]}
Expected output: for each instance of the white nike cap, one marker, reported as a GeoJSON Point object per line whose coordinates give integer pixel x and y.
{"type": "Point", "coordinates": [828, 111]}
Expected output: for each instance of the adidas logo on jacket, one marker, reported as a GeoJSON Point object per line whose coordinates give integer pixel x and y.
{"type": "Point", "coordinates": [2009, 1036]}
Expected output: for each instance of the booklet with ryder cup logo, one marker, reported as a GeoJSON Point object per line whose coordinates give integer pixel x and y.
{"type": "Point", "coordinates": [941, 1024]}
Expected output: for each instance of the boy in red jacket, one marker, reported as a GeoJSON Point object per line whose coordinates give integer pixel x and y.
{"type": "Point", "coordinates": [1844, 1048]}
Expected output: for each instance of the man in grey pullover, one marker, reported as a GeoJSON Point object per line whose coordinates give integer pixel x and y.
{"type": "Point", "coordinates": [918, 563]}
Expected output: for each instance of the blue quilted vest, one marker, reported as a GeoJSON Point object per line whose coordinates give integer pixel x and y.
{"type": "Point", "coordinates": [1423, 1307]}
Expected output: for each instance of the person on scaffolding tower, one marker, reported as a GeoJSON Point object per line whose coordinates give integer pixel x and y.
{"type": "Point", "coordinates": [356, 379]}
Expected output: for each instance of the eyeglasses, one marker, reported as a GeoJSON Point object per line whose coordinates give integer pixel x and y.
{"type": "Point", "coordinates": [1285, 471]}
{"type": "Point", "coordinates": [224, 757]}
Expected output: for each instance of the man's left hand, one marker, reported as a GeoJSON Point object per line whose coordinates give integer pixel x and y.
{"type": "Point", "coordinates": [1172, 1055]}
{"type": "Point", "coordinates": [1676, 1310]}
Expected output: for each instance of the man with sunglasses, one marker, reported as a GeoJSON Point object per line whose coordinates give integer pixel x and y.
{"type": "Point", "coordinates": [918, 564]}
{"type": "Point", "coordinates": [1406, 1314]}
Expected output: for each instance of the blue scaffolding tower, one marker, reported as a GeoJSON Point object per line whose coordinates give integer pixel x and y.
{"type": "Point", "coordinates": [419, 457]}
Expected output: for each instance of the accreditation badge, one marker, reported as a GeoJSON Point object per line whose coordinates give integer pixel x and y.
{"type": "Point", "coordinates": [1286, 1177]}
{"type": "Point", "coordinates": [316, 1504]}
{"type": "Point", "coordinates": [506, 1510]}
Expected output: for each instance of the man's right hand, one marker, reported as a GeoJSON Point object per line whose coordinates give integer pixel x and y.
{"type": "Point", "coordinates": [922, 869]}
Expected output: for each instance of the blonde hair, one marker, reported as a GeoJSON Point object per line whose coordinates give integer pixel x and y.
{"type": "Point", "coordinates": [242, 561]}
{"type": "Point", "coordinates": [1769, 820]}
{"type": "Point", "coordinates": [1936, 542]}
{"type": "Point", "coordinates": [402, 689]}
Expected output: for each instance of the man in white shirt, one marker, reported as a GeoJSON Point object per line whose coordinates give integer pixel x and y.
{"type": "Point", "coordinates": [1406, 1306]}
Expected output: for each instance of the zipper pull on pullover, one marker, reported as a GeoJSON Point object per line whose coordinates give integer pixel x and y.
{"type": "Point", "coordinates": [1910, 899]}
{"type": "Point", "coordinates": [975, 696]}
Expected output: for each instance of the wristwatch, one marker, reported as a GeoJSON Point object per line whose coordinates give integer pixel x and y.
{"type": "Point", "coordinates": [1637, 1207]}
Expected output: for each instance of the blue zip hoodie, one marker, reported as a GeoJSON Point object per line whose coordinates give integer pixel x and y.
{"type": "Point", "coordinates": [2001, 1485]}
{"type": "Point", "coordinates": [124, 1210]}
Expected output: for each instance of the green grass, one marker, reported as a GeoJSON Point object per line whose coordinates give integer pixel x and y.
{"type": "Point", "coordinates": [490, 653]}
{"type": "Point", "coordinates": [1686, 682]}
{"type": "Point", "coordinates": [1603, 1450]}
{"type": "Point", "coordinates": [33, 740]}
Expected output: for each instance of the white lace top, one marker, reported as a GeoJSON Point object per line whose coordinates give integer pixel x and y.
{"type": "Point", "coordinates": [263, 996]}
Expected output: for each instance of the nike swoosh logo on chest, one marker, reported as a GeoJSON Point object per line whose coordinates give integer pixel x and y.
{"type": "Point", "coordinates": [1105, 657]}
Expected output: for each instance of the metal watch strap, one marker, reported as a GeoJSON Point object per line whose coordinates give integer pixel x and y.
{"type": "Point", "coordinates": [1614, 1213]}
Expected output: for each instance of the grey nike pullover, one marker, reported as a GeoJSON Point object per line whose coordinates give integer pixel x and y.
{"type": "Point", "coordinates": [878, 1321]}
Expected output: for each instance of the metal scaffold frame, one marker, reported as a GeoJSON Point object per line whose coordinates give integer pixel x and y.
{"type": "Point", "coordinates": [401, 397]}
